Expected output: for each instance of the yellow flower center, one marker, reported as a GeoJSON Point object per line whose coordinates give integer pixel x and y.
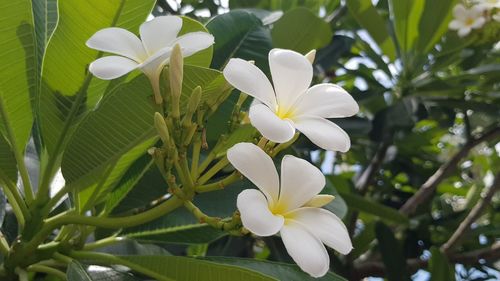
{"type": "Point", "coordinates": [284, 113]}
{"type": "Point", "coordinates": [469, 21]}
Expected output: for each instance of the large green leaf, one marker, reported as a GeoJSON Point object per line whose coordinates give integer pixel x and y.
{"type": "Point", "coordinates": [45, 16]}
{"type": "Point", "coordinates": [392, 253]}
{"type": "Point", "coordinates": [121, 129]}
{"type": "Point", "coordinates": [68, 91]}
{"type": "Point", "coordinates": [280, 271]}
{"type": "Point", "coordinates": [433, 23]}
{"type": "Point", "coordinates": [189, 269]}
{"type": "Point", "coordinates": [439, 267]}
{"type": "Point", "coordinates": [8, 167]}
{"type": "Point", "coordinates": [406, 17]}
{"type": "Point", "coordinates": [18, 82]}
{"type": "Point", "coordinates": [309, 31]}
{"type": "Point", "coordinates": [79, 272]}
{"type": "Point", "coordinates": [368, 18]}
{"type": "Point", "coordinates": [239, 34]}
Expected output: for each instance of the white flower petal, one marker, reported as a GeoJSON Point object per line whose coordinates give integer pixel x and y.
{"type": "Point", "coordinates": [270, 125]}
{"type": "Point", "coordinates": [305, 249]}
{"type": "Point", "coordinates": [292, 74]}
{"type": "Point", "coordinates": [256, 166]}
{"type": "Point", "coordinates": [326, 226]}
{"type": "Point", "coordinates": [159, 32]}
{"type": "Point", "coordinates": [327, 101]}
{"type": "Point", "coordinates": [300, 182]}
{"type": "Point", "coordinates": [478, 23]}
{"type": "Point", "coordinates": [118, 41]}
{"type": "Point", "coordinates": [459, 11]}
{"type": "Point", "coordinates": [112, 67]}
{"type": "Point", "coordinates": [455, 25]}
{"type": "Point", "coordinates": [249, 79]}
{"type": "Point", "coordinates": [464, 31]}
{"type": "Point", "coordinates": [194, 42]}
{"type": "Point", "coordinates": [153, 66]}
{"type": "Point", "coordinates": [323, 133]}
{"type": "Point", "coordinates": [255, 213]}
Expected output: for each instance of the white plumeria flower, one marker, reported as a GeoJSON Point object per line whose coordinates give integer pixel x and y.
{"type": "Point", "coordinates": [489, 4]}
{"type": "Point", "coordinates": [292, 104]}
{"type": "Point", "coordinates": [292, 208]}
{"type": "Point", "coordinates": [466, 19]}
{"type": "Point", "coordinates": [150, 55]}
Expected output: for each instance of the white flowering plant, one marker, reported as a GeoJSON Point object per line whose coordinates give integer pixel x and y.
{"type": "Point", "coordinates": [153, 140]}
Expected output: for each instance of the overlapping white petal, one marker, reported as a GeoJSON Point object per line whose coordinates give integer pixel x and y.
{"type": "Point", "coordinates": [270, 125]}
{"type": "Point", "coordinates": [249, 79]}
{"type": "Point", "coordinates": [279, 111]}
{"type": "Point", "coordinates": [292, 74]}
{"type": "Point", "coordinates": [244, 156]}
{"type": "Point", "coordinates": [118, 41]}
{"type": "Point", "coordinates": [326, 226]}
{"type": "Point", "coordinates": [304, 229]}
{"type": "Point", "coordinates": [327, 101]}
{"type": "Point", "coordinates": [158, 33]}
{"type": "Point", "coordinates": [305, 248]}
{"type": "Point", "coordinates": [323, 133]}
{"type": "Point", "coordinates": [300, 182]}
{"type": "Point", "coordinates": [112, 67]}
{"type": "Point", "coordinates": [255, 213]}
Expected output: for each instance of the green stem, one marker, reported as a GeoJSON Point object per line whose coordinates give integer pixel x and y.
{"type": "Point", "coordinates": [195, 158]}
{"type": "Point", "coordinates": [48, 270]}
{"type": "Point", "coordinates": [216, 168]}
{"type": "Point", "coordinates": [234, 177]}
{"type": "Point", "coordinates": [118, 222]}
{"type": "Point", "coordinates": [4, 245]}
{"type": "Point", "coordinates": [20, 210]}
{"type": "Point", "coordinates": [53, 201]}
{"type": "Point", "coordinates": [107, 259]}
{"type": "Point", "coordinates": [228, 224]}
{"type": "Point", "coordinates": [102, 243]}
{"type": "Point", "coordinates": [206, 162]}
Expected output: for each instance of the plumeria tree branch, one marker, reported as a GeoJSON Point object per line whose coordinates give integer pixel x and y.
{"type": "Point", "coordinates": [473, 215]}
{"type": "Point", "coordinates": [364, 269]}
{"type": "Point", "coordinates": [428, 188]}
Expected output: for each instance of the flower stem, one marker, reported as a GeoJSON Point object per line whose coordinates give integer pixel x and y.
{"type": "Point", "coordinates": [48, 270]}
{"type": "Point", "coordinates": [107, 259]}
{"type": "Point", "coordinates": [195, 157]}
{"type": "Point", "coordinates": [102, 243]}
{"type": "Point", "coordinates": [216, 168]}
{"type": "Point", "coordinates": [18, 205]}
{"type": "Point", "coordinates": [234, 177]}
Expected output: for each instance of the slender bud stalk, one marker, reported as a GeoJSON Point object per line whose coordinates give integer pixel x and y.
{"type": "Point", "coordinates": [162, 128]}
{"type": "Point", "coordinates": [176, 74]}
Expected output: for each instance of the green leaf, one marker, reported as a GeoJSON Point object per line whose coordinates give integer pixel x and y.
{"type": "Point", "coordinates": [8, 167]}
{"type": "Point", "coordinates": [239, 34]}
{"type": "Point", "coordinates": [433, 23]}
{"type": "Point", "coordinates": [338, 206]}
{"type": "Point", "coordinates": [189, 269]}
{"type": "Point", "coordinates": [45, 17]}
{"type": "Point", "coordinates": [242, 134]}
{"type": "Point", "coordinates": [280, 271]}
{"type": "Point", "coordinates": [439, 266]}
{"type": "Point", "coordinates": [309, 31]}
{"type": "Point", "coordinates": [78, 272]}
{"type": "Point", "coordinates": [406, 17]}
{"type": "Point", "coordinates": [17, 83]}
{"type": "Point", "coordinates": [371, 207]}
{"type": "Point", "coordinates": [392, 253]}
{"type": "Point", "coordinates": [68, 90]}
{"type": "Point", "coordinates": [368, 18]}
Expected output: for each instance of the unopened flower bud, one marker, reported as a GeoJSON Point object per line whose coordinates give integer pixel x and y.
{"type": "Point", "coordinates": [161, 127]}
{"type": "Point", "coordinates": [176, 74]}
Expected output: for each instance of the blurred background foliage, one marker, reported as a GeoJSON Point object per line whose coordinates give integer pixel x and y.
{"type": "Point", "coordinates": [417, 190]}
